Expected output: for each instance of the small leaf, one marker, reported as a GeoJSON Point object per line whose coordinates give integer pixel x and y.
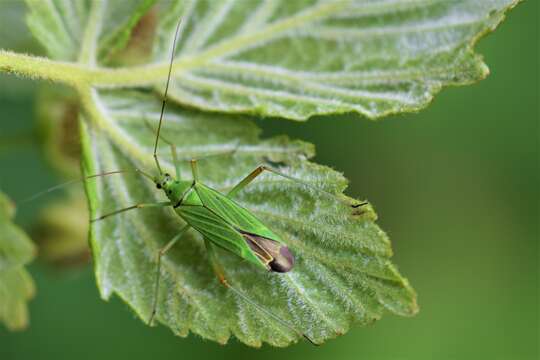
{"type": "Point", "coordinates": [16, 285]}
{"type": "Point", "coordinates": [16, 288]}
{"type": "Point", "coordinates": [16, 249]}
{"type": "Point", "coordinates": [343, 273]}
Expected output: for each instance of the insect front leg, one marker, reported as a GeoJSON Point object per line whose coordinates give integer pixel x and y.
{"type": "Point", "coordinates": [160, 254]}
{"type": "Point", "coordinates": [220, 273]}
{"type": "Point", "coordinates": [217, 154]}
{"type": "Point", "coordinates": [132, 207]}
{"type": "Point", "coordinates": [194, 162]}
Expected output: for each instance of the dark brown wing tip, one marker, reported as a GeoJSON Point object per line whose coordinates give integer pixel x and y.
{"type": "Point", "coordinates": [284, 262]}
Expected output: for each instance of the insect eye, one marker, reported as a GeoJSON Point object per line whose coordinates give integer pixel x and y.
{"type": "Point", "coordinates": [158, 186]}
{"type": "Point", "coordinates": [167, 175]}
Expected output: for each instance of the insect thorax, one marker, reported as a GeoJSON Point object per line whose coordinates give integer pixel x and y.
{"type": "Point", "coordinates": [175, 189]}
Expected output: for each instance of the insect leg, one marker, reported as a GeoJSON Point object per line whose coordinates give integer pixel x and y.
{"type": "Point", "coordinates": [194, 169]}
{"type": "Point", "coordinates": [220, 273]}
{"type": "Point", "coordinates": [209, 156]}
{"type": "Point", "coordinates": [245, 181]}
{"type": "Point", "coordinates": [260, 169]}
{"type": "Point", "coordinates": [132, 207]}
{"type": "Point", "coordinates": [191, 159]}
{"type": "Point", "coordinates": [162, 252]}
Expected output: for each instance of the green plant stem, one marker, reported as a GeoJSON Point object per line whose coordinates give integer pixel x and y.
{"type": "Point", "coordinates": [42, 68]}
{"type": "Point", "coordinates": [76, 75]}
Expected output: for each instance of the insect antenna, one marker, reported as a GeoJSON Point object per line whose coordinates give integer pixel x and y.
{"type": "Point", "coordinates": [164, 100]}
{"type": "Point", "coordinates": [71, 182]}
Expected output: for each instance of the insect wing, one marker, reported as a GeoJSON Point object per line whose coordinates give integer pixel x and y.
{"type": "Point", "coordinates": [218, 231]}
{"type": "Point", "coordinates": [274, 255]}
{"type": "Point", "coordinates": [264, 244]}
{"type": "Point", "coordinates": [233, 213]}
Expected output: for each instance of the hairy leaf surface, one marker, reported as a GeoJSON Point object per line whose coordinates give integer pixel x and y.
{"type": "Point", "coordinates": [291, 59]}
{"type": "Point", "coordinates": [343, 272]}
{"type": "Point", "coordinates": [296, 59]}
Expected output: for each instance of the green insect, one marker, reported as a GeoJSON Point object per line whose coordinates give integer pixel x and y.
{"type": "Point", "coordinates": [220, 220]}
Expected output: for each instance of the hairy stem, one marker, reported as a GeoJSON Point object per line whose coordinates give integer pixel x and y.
{"type": "Point", "coordinates": [76, 75]}
{"type": "Point", "coordinates": [43, 68]}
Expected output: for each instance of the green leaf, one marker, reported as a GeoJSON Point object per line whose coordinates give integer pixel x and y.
{"type": "Point", "coordinates": [292, 59]}
{"type": "Point", "coordinates": [343, 274]}
{"type": "Point", "coordinates": [295, 59]}
{"type": "Point", "coordinates": [16, 285]}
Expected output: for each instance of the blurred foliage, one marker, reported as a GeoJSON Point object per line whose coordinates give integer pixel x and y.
{"type": "Point", "coordinates": [138, 49]}
{"type": "Point", "coordinates": [16, 36]}
{"type": "Point", "coordinates": [58, 129]}
{"type": "Point", "coordinates": [16, 285]}
{"type": "Point", "coordinates": [61, 231]}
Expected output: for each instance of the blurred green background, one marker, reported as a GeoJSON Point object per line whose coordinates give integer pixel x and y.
{"type": "Point", "coordinates": [455, 186]}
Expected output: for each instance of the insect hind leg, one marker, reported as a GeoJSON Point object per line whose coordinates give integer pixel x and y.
{"type": "Point", "coordinates": [262, 168]}
{"type": "Point", "coordinates": [220, 273]}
